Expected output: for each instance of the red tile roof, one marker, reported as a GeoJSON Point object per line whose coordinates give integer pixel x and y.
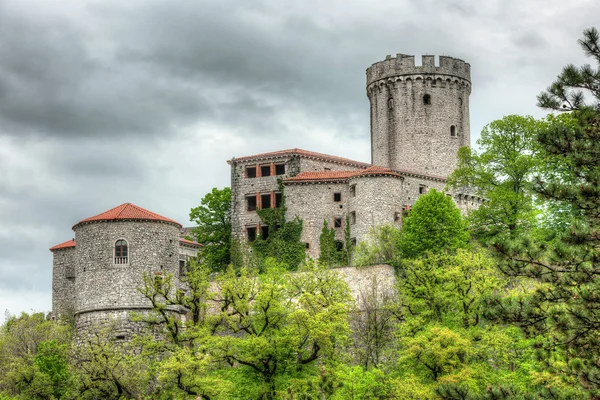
{"type": "Point", "coordinates": [302, 153]}
{"type": "Point", "coordinates": [65, 245]}
{"type": "Point", "coordinates": [190, 243]}
{"type": "Point", "coordinates": [329, 176]}
{"type": "Point", "coordinates": [128, 212]}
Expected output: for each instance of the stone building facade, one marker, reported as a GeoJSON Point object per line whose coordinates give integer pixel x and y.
{"type": "Point", "coordinates": [419, 120]}
{"type": "Point", "coordinates": [97, 274]}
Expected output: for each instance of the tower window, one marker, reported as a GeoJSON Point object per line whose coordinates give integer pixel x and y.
{"type": "Point", "coordinates": [422, 189]}
{"type": "Point", "coordinates": [453, 131]}
{"type": "Point", "coordinates": [265, 170]}
{"type": "Point", "coordinates": [339, 245]}
{"type": "Point", "coordinates": [265, 200]}
{"type": "Point", "coordinates": [251, 172]}
{"type": "Point", "coordinates": [353, 218]}
{"type": "Point", "coordinates": [427, 99]}
{"type": "Point", "coordinates": [121, 252]}
{"type": "Point", "coordinates": [337, 222]}
{"type": "Point", "coordinates": [251, 231]}
{"type": "Point", "coordinates": [353, 190]}
{"type": "Point", "coordinates": [182, 269]}
{"type": "Point", "coordinates": [251, 203]}
{"type": "Point", "coordinates": [337, 197]}
{"type": "Point", "coordinates": [390, 103]}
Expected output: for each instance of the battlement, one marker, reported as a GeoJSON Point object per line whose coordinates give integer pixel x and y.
{"type": "Point", "coordinates": [404, 64]}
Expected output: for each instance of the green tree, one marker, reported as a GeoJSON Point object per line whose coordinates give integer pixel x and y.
{"type": "Point", "coordinates": [502, 173]}
{"type": "Point", "coordinates": [434, 224]}
{"type": "Point", "coordinates": [331, 253]}
{"type": "Point", "coordinates": [213, 227]}
{"type": "Point", "coordinates": [379, 247]}
{"type": "Point", "coordinates": [561, 311]}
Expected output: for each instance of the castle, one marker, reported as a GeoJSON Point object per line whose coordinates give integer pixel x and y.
{"type": "Point", "coordinates": [419, 120]}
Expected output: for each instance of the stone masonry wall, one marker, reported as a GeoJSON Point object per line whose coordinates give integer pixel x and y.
{"type": "Point", "coordinates": [105, 287]}
{"type": "Point", "coordinates": [406, 133]}
{"type": "Point", "coordinates": [63, 282]}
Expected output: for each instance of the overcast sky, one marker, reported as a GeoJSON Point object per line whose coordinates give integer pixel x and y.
{"type": "Point", "coordinates": [143, 101]}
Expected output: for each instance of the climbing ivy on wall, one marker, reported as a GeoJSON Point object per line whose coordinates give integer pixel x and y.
{"type": "Point", "coordinates": [283, 242]}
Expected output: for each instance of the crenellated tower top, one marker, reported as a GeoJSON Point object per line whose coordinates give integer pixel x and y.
{"type": "Point", "coordinates": [404, 64]}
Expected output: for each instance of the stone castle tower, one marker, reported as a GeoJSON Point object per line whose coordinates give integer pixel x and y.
{"type": "Point", "coordinates": [419, 114]}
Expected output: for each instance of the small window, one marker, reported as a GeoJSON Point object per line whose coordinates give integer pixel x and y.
{"type": "Point", "coordinates": [182, 269]}
{"type": "Point", "coordinates": [353, 218]}
{"type": "Point", "coordinates": [278, 198]}
{"type": "Point", "coordinates": [422, 189]}
{"type": "Point", "coordinates": [353, 242]}
{"type": "Point", "coordinates": [339, 245]}
{"type": "Point", "coordinates": [427, 99]}
{"type": "Point", "coordinates": [265, 200]}
{"type": "Point", "coordinates": [397, 216]}
{"type": "Point", "coordinates": [251, 234]}
{"type": "Point", "coordinates": [353, 190]}
{"type": "Point", "coordinates": [265, 170]}
{"type": "Point", "coordinates": [337, 222]}
{"type": "Point", "coordinates": [460, 101]}
{"type": "Point", "coordinates": [264, 232]}
{"type": "Point", "coordinates": [390, 103]}
{"type": "Point", "coordinates": [337, 197]}
{"type": "Point", "coordinates": [121, 252]}
{"type": "Point", "coordinates": [251, 172]}
{"type": "Point", "coordinates": [279, 169]}
{"type": "Point", "coordinates": [307, 245]}
{"type": "Point", "coordinates": [453, 131]}
{"type": "Point", "coordinates": [251, 203]}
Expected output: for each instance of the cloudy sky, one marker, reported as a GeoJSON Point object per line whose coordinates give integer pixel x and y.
{"type": "Point", "coordinates": [104, 102]}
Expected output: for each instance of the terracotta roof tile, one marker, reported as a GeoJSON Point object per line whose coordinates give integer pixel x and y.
{"type": "Point", "coordinates": [302, 153]}
{"type": "Point", "coordinates": [328, 176]}
{"type": "Point", "coordinates": [64, 245]}
{"type": "Point", "coordinates": [191, 243]}
{"type": "Point", "coordinates": [128, 212]}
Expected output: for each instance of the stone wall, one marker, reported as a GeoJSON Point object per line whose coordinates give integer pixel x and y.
{"type": "Point", "coordinates": [63, 282]}
{"type": "Point", "coordinates": [408, 134]}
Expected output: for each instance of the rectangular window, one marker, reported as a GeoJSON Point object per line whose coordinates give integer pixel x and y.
{"type": "Point", "coordinates": [353, 190]}
{"type": "Point", "coordinates": [397, 216]}
{"type": "Point", "coordinates": [182, 269]}
{"type": "Point", "coordinates": [265, 170]}
{"type": "Point", "coordinates": [307, 245]}
{"type": "Point", "coordinates": [251, 234]}
{"type": "Point", "coordinates": [337, 222]}
{"type": "Point", "coordinates": [422, 189]}
{"type": "Point", "coordinates": [250, 172]}
{"type": "Point", "coordinates": [339, 245]}
{"type": "Point", "coordinates": [353, 242]}
{"type": "Point", "coordinates": [337, 197]}
{"type": "Point", "coordinates": [352, 217]}
{"type": "Point", "coordinates": [279, 169]}
{"type": "Point", "coordinates": [278, 198]}
{"type": "Point", "coordinates": [265, 200]}
{"type": "Point", "coordinates": [264, 232]}
{"type": "Point", "coordinates": [251, 203]}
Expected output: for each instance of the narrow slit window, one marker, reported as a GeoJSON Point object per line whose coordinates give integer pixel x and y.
{"type": "Point", "coordinates": [265, 170]}
{"type": "Point", "coordinates": [453, 131]}
{"type": "Point", "coordinates": [427, 99]}
{"type": "Point", "coordinates": [182, 269]}
{"type": "Point", "coordinates": [265, 200]}
{"type": "Point", "coordinates": [422, 189]}
{"type": "Point", "coordinates": [251, 203]}
{"type": "Point", "coordinates": [251, 172]}
{"type": "Point", "coordinates": [353, 218]}
{"type": "Point", "coordinates": [353, 190]}
{"type": "Point", "coordinates": [307, 245]}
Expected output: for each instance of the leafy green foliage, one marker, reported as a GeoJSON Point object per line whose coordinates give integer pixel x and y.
{"type": "Point", "coordinates": [213, 227]}
{"type": "Point", "coordinates": [330, 254]}
{"type": "Point", "coordinates": [434, 224]}
{"type": "Point", "coordinates": [381, 246]}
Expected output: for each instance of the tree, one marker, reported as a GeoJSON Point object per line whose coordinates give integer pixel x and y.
{"type": "Point", "coordinates": [562, 310]}
{"type": "Point", "coordinates": [502, 173]}
{"type": "Point", "coordinates": [331, 253]}
{"type": "Point", "coordinates": [434, 224]}
{"type": "Point", "coordinates": [379, 247]}
{"type": "Point", "coordinates": [567, 93]}
{"type": "Point", "coordinates": [213, 227]}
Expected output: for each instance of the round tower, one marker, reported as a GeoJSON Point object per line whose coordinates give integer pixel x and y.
{"type": "Point", "coordinates": [419, 114]}
{"type": "Point", "coordinates": [115, 251]}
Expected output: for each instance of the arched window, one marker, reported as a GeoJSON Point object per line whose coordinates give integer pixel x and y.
{"type": "Point", "coordinates": [390, 103]}
{"type": "Point", "coordinates": [121, 252]}
{"type": "Point", "coordinates": [427, 99]}
{"type": "Point", "coordinates": [452, 131]}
